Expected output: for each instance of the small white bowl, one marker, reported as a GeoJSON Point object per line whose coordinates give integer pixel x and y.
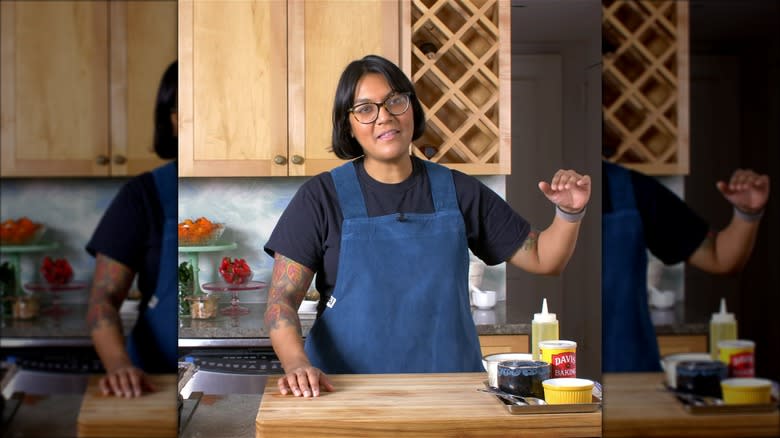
{"type": "Point", "coordinates": [490, 362]}
{"type": "Point", "coordinates": [669, 364]}
{"type": "Point", "coordinates": [308, 306]}
{"type": "Point", "coordinates": [484, 300]}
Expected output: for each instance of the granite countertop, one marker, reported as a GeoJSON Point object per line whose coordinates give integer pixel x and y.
{"type": "Point", "coordinates": [488, 322]}
{"type": "Point", "coordinates": [678, 320]}
{"type": "Point", "coordinates": [70, 326]}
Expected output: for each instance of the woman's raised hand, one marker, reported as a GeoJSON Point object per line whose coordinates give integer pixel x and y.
{"type": "Point", "coordinates": [569, 190]}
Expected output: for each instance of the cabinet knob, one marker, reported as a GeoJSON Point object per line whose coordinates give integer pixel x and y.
{"type": "Point", "coordinates": [297, 159]}
{"type": "Point", "coordinates": [102, 160]}
{"type": "Point", "coordinates": [120, 159]}
{"type": "Point", "coordinates": [279, 159]}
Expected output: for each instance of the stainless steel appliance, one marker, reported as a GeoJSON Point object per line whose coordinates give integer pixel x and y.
{"type": "Point", "coordinates": [230, 370]}
{"type": "Point", "coordinates": [50, 370]}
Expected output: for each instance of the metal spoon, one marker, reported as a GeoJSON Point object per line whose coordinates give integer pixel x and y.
{"type": "Point", "coordinates": [699, 400]}
{"type": "Point", "coordinates": [514, 398]}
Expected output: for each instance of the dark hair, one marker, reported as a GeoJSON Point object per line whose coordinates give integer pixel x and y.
{"type": "Point", "coordinates": [166, 142]}
{"type": "Point", "coordinates": [344, 145]}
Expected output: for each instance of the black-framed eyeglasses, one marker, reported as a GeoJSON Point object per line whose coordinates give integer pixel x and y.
{"type": "Point", "coordinates": [396, 104]}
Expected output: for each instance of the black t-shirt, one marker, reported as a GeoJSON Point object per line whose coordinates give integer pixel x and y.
{"type": "Point", "coordinates": [309, 230]}
{"type": "Point", "coordinates": [672, 230]}
{"type": "Point", "coordinates": [130, 231]}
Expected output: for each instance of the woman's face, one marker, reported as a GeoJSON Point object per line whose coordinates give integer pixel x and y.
{"type": "Point", "coordinates": [388, 138]}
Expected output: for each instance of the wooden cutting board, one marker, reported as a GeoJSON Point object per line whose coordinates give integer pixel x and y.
{"type": "Point", "coordinates": [414, 405]}
{"type": "Point", "coordinates": [636, 404]}
{"type": "Point", "coordinates": [151, 415]}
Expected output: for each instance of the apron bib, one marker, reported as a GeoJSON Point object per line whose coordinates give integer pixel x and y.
{"type": "Point", "coordinates": [152, 345]}
{"type": "Point", "coordinates": [628, 339]}
{"type": "Point", "coordinates": [400, 303]}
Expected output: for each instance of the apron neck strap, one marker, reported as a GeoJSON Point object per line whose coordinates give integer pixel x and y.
{"type": "Point", "coordinates": [621, 190]}
{"type": "Point", "coordinates": [442, 187]}
{"type": "Point", "coordinates": [164, 176]}
{"type": "Point", "coordinates": [348, 190]}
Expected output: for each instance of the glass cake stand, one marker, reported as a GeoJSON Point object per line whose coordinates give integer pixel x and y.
{"type": "Point", "coordinates": [234, 309]}
{"type": "Point", "coordinates": [55, 309]}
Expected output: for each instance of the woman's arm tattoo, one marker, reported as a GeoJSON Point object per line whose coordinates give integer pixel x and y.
{"type": "Point", "coordinates": [289, 282]}
{"type": "Point", "coordinates": [110, 286]}
{"type": "Point", "coordinates": [531, 240]}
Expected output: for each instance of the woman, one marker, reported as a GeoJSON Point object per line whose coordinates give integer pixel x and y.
{"type": "Point", "coordinates": [640, 214]}
{"type": "Point", "coordinates": [388, 237]}
{"type": "Point", "coordinates": [137, 235]}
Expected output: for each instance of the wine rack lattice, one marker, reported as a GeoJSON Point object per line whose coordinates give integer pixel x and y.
{"type": "Point", "coordinates": [459, 52]}
{"type": "Point", "coordinates": [645, 84]}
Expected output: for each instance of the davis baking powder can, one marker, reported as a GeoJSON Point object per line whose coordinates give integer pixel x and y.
{"type": "Point", "coordinates": [562, 357]}
{"type": "Point", "coordinates": [739, 355]}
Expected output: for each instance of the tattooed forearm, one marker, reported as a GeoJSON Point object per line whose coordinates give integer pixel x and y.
{"type": "Point", "coordinates": [110, 285]}
{"type": "Point", "coordinates": [531, 240]}
{"type": "Point", "coordinates": [289, 282]}
{"type": "Point", "coordinates": [709, 241]}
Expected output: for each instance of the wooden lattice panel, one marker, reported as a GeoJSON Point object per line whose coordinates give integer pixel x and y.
{"type": "Point", "coordinates": [645, 84]}
{"type": "Point", "coordinates": [460, 67]}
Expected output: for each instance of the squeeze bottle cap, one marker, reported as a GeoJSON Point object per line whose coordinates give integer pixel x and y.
{"type": "Point", "coordinates": [723, 316]}
{"type": "Point", "coordinates": [544, 316]}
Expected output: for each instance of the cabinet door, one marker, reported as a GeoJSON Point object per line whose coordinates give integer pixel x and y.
{"type": "Point", "coordinates": [323, 37]}
{"type": "Point", "coordinates": [54, 95]}
{"type": "Point", "coordinates": [673, 344]}
{"type": "Point", "coordinates": [232, 87]}
{"type": "Point", "coordinates": [492, 344]}
{"type": "Point", "coordinates": [143, 44]}
{"type": "Point", "coordinates": [460, 62]}
{"type": "Point", "coordinates": [646, 85]}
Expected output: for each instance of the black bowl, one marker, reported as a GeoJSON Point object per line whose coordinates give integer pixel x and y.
{"type": "Point", "coordinates": [701, 377]}
{"type": "Point", "coordinates": [523, 377]}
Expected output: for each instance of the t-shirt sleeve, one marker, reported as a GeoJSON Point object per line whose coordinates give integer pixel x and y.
{"type": "Point", "coordinates": [121, 232]}
{"type": "Point", "coordinates": [493, 229]}
{"type": "Point", "coordinates": [298, 235]}
{"type": "Point", "coordinates": [673, 231]}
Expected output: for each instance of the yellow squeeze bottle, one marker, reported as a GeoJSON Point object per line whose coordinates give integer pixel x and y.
{"type": "Point", "coordinates": [544, 327]}
{"type": "Point", "coordinates": [723, 326]}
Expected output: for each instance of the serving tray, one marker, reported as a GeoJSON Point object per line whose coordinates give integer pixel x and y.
{"type": "Point", "coordinates": [515, 409]}
{"type": "Point", "coordinates": [711, 405]}
{"type": "Point", "coordinates": [697, 408]}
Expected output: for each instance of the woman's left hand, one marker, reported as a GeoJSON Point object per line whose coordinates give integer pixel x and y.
{"type": "Point", "coordinates": [568, 190]}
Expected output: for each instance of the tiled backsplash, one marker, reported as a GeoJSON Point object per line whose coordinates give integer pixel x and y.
{"type": "Point", "coordinates": [70, 209]}
{"type": "Point", "coordinates": [250, 208]}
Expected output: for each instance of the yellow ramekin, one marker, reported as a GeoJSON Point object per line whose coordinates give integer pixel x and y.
{"type": "Point", "coordinates": [567, 390]}
{"type": "Point", "coordinates": [746, 391]}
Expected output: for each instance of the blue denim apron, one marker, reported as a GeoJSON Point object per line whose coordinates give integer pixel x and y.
{"type": "Point", "coordinates": [152, 345]}
{"type": "Point", "coordinates": [400, 303]}
{"type": "Point", "coordinates": [628, 341]}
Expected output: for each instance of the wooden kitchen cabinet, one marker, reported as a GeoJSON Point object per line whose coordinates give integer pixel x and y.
{"type": "Point", "coordinates": [673, 344]}
{"type": "Point", "coordinates": [461, 67]}
{"type": "Point", "coordinates": [646, 85]}
{"type": "Point", "coordinates": [258, 80]}
{"type": "Point", "coordinates": [491, 344]}
{"type": "Point", "coordinates": [79, 85]}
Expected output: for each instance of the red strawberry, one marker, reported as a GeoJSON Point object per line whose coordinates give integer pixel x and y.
{"type": "Point", "coordinates": [235, 272]}
{"type": "Point", "coordinates": [56, 271]}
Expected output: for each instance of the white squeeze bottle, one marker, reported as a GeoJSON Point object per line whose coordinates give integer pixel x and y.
{"type": "Point", "coordinates": [723, 326]}
{"type": "Point", "coordinates": [544, 327]}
